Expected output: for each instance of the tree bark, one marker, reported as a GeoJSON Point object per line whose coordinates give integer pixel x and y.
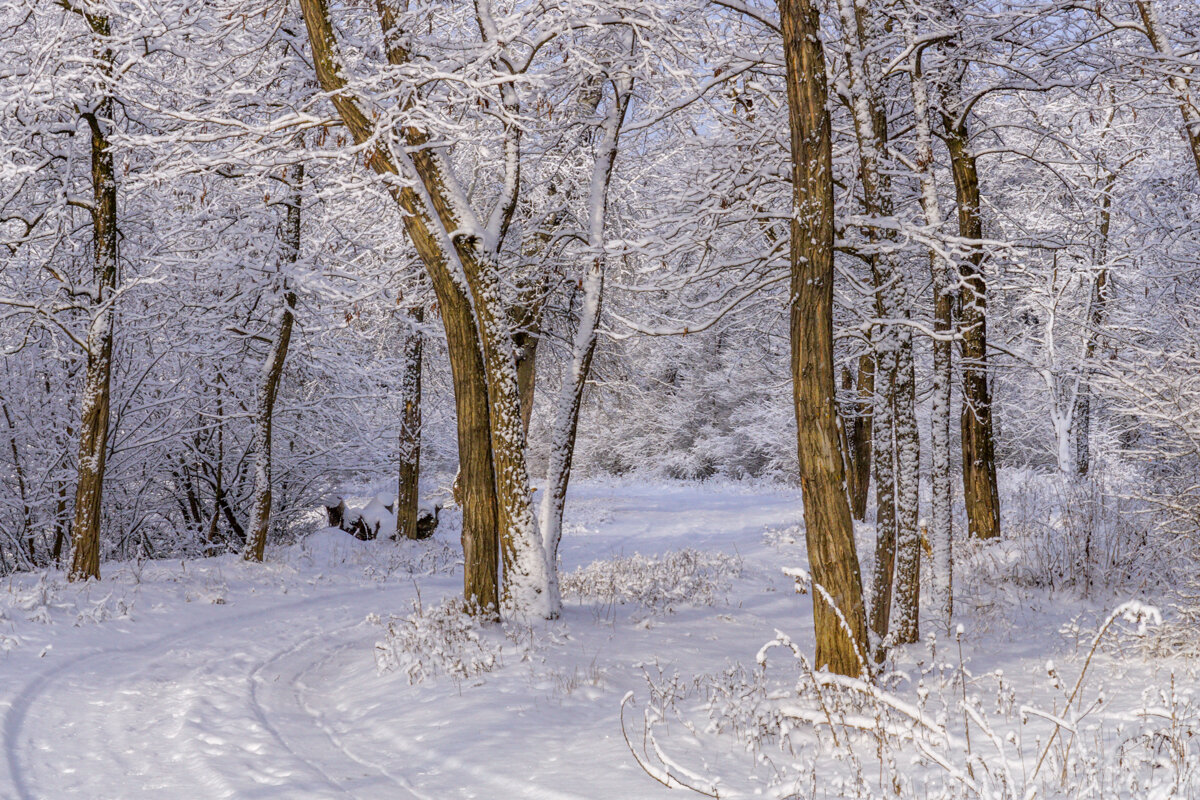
{"type": "Point", "coordinates": [93, 434]}
{"type": "Point", "coordinates": [1097, 312]}
{"type": "Point", "coordinates": [272, 374]}
{"type": "Point", "coordinates": [408, 495]}
{"type": "Point", "coordinates": [978, 447]}
{"type": "Point", "coordinates": [860, 435]}
{"type": "Point", "coordinates": [838, 613]}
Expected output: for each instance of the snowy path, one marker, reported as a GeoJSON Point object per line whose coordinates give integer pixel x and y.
{"type": "Point", "coordinates": [217, 679]}
{"type": "Point", "coordinates": [208, 709]}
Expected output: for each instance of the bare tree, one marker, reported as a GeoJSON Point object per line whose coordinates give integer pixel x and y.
{"type": "Point", "coordinates": [93, 433]}
{"type": "Point", "coordinates": [272, 372]}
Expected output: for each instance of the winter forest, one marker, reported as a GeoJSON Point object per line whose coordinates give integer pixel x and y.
{"type": "Point", "coordinates": [600, 399]}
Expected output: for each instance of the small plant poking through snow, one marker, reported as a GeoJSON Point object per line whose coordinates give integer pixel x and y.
{"type": "Point", "coordinates": [659, 583]}
{"type": "Point", "coordinates": [436, 640]}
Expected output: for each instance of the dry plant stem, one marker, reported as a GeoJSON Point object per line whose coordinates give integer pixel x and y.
{"type": "Point", "coordinates": [1075, 691]}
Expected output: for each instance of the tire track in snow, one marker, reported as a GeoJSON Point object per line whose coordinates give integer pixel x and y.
{"type": "Point", "coordinates": [292, 698]}
{"type": "Point", "coordinates": [25, 699]}
{"type": "Point", "coordinates": [481, 777]}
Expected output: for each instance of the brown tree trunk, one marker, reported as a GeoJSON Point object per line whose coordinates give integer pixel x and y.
{"type": "Point", "coordinates": [93, 434]}
{"type": "Point", "coordinates": [978, 448]}
{"type": "Point", "coordinates": [841, 646]}
{"type": "Point", "coordinates": [480, 534]}
{"type": "Point", "coordinates": [408, 496]}
{"type": "Point", "coordinates": [268, 390]}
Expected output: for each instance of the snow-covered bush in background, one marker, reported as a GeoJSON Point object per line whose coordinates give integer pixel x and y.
{"type": "Point", "coordinates": [435, 640]}
{"type": "Point", "coordinates": [659, 583]}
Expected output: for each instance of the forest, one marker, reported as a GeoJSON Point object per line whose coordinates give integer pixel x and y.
{"type": "Point", "coordinates": [384, 371]}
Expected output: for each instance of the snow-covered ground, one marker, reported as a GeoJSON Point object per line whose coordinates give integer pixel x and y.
{"type": "Point", "coordinates": [217, 678]}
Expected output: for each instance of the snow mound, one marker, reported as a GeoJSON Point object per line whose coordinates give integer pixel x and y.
{"type": "Point", "coordinates": [328, 547]}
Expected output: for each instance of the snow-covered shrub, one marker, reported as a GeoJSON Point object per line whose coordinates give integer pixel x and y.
{"type": "Point", "coordinates": [435, 640]}
{"type": "Point", "coordinates": [943, 732]}
{"type": "Point", "coordinates": [1086, 536]}
{"type": "Point", "coordinates": [659, 583]}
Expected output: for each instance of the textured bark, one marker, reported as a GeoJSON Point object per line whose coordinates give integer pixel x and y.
{"type": "Point", "coordinates": [93, 433]}
{"type": "Point", "coordinates": [885, 498]}
{"type": "Point", "coordinates": [978, 447]}
{"type": "Point", "coordinates": [841, 628]}
{"type": "Point", "coordinates": [408, 494]}
{"type": "Point", "coordinates": [272, 374]}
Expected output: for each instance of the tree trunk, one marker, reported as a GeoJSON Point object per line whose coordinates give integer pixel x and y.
{"type": "Point", "coordinates": [1097, 312]}
{"type": "Point", "coordinates": [884, 430]}
{"type": "Point", "coordinates": [897, 438]}
{"type": "Point", "coordinates": [838, 613]}
{"type": "Point", "coordinates": [494, 479]}
{"type": "Point", "coordinates": [978, 448]}
{"type": "Point", "coordinates": [860, 435]}
{"type": "Point", "coordinates": [26, 532]}
{"type": "Point", "coordinates": [566, 421]}
{"type": "Point", "coordinates": [1178, 83]}
{"type": "Point", "coordinates": [408, 496]}
{"type": "Point", "coordinates": [93, 434]}
{"type": "Point", "coordinates": [272, 373]}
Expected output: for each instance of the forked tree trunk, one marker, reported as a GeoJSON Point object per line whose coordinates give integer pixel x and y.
{"type": "Point", "coordinates": [270, 377]}
{"type": "Point", "coordinates": [841, 630]}
{"type": "Point", "coordinates": [93, 434]}
{"type": "Point", "coordinates": [431, 214]}
{"type": "Point", "coordinates": [408, 495]}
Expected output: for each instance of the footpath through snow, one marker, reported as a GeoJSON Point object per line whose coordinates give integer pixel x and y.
{"type": "Point", "coordinates": [220, 679]}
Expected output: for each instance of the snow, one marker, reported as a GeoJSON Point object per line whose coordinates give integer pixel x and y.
{"type": "Point", "coordinates": [218, 678]}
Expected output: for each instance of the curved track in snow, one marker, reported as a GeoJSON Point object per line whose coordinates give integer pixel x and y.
{"type": "Point", "coordinates": [209, 710]}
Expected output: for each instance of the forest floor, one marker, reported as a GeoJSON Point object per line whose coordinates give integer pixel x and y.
{"type": "Point", "coordinates": [216, 678]}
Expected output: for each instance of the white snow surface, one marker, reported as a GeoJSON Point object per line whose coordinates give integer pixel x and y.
{"type": "Point", "coordinates": [217, 678]}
